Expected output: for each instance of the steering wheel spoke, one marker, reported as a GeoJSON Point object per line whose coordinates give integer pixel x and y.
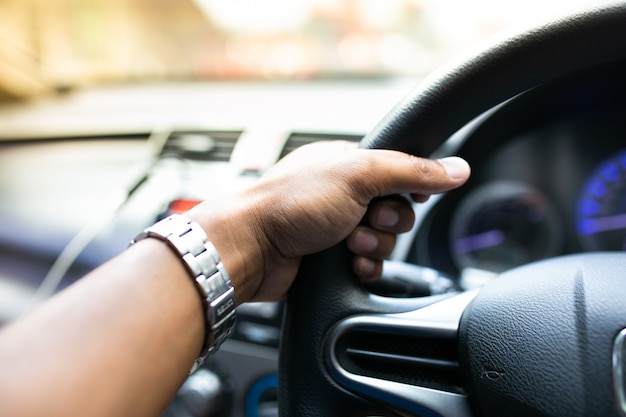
{"type": "Point", "coordinates": [406, 361]}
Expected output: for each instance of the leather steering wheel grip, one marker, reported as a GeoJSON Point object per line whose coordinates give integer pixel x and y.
{"type": "Point", "coordinates": [325, 290]}
{"type": "Point", "coordinates": [457, 93]}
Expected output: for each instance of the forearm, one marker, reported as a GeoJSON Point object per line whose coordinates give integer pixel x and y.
{"type": "Point", "coordinates": [122, 340]}
{"type": "Point", "coordinates": [118, 343]}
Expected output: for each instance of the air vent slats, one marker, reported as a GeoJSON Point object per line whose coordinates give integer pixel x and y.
{"type": "Point", "coordinates": [402, 359]}
{"type": "Point", "coordinates": [296, 140]}
{"type": "Point", "coordinates": [414, 359]}
{"type": "Point", "coordinates": [201, 145]}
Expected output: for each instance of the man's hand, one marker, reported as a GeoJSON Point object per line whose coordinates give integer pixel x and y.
{"type": "Point", "coordinates": [316, 197]}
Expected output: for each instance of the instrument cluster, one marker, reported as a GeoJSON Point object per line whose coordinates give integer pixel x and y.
{"type": "Point", "coordinates": [548, 179]}
{"type": "Point", "coordinates": [519, 209]}
{"type": "Point", "coordinates": [502, 224]}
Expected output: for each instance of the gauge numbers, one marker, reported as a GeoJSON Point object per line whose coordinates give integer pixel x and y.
{"type": "Point", "coordinates": [601, 209]}
{"type": "Point", "coordinates": [502, 225]}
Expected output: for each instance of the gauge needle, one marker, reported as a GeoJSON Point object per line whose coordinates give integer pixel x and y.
{"type": "Point", "coordinates": [602, 224]}
{"type": "Point", "coordinates": [479, 241]}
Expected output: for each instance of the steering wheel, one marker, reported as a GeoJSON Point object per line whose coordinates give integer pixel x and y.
{"type": "Point", "coordinates": [545, 339]}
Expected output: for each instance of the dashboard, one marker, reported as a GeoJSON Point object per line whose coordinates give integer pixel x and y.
{"type": "Point", "coordinates": [548, 179]}
{"type": "Point", "coordinates": [78, 182]}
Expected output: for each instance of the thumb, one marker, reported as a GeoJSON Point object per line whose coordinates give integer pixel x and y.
{"type": "Point", "coordinates": [456, 168]}
{"type": "Point", "coordinates": [393, 172]}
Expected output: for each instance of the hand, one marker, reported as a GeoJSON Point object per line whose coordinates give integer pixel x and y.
{"type": "Point", "coordinates": [313, 199]}
{"type": "Point", "coordinates": [374, 239]}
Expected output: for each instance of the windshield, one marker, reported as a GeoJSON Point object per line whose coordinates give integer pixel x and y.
{"type": "Point", "coordinates": [54, 45]}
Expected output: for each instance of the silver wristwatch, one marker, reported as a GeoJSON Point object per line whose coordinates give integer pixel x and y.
{"type": "Point", "coordinates": [201, 260]}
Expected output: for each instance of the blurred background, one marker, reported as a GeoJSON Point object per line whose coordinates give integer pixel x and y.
{"type": "Point", "coordinates": [114, 113]}
{"type": "Point", "coordinates": [55, 45]}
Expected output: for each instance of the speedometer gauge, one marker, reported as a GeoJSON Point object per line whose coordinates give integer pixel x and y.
{"type": "Point", "coordinates": [601, 210]}
{"type": "Point", "coordinates": [502, 225]}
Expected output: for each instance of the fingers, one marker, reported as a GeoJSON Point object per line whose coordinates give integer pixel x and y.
{"type": "Point", "coordinates": [391, 214]}
{"type": "Point", "coordinates": [367, 269]}
{"type": "Point", "coordinates": [371, 247]}
{"type": "Point", "coordinates": [387, 217]}
{"type": "Point", "coordinates": [372, 243]}
{"type": "Point", "coordinates": [375, 242]}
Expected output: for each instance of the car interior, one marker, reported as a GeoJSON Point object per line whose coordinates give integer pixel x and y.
{"type": "Point", "coordinates": [504, 299]}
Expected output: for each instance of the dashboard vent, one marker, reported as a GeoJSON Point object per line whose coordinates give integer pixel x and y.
{"type": "Point", "coordinates": [298, 139]}
{"type": "Point", "coordinates": [424, 361]}
{"type": "Point", "coordinates": [201, 145]}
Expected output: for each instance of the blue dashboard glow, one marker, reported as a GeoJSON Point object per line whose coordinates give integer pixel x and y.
{"type": "Point", "coordinates": [611, 172]}
{"type": "Point", "coordinates": [589, 207]}
{"type": "Point", "coordinates": [601, 210]}
{"type": "Point", "coordinates": [597, 188]}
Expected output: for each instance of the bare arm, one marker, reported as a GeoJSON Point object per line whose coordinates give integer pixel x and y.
{"type": "Point", "coordinates": [121, 341]}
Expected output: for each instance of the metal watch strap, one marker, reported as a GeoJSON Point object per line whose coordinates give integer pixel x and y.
{"type": "Point", "coordinates": [201, 260]}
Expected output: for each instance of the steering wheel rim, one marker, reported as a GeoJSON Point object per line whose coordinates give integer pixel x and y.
{"type": "Point", "coordinates": [419, 125]}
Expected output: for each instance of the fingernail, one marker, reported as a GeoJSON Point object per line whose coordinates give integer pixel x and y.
{"type": "Point", "coordinates": [364, 265]}
{"type": "Point", "coordinates": [456, 168]}
{"type": "Point", "coordinates": [365, 241]}
{"type": "Point", "coordinates": [387, 216]}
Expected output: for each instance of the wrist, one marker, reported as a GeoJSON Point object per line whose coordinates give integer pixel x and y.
{"type": "Point", "coordinates": [232, 233]}
{"type": "Point", "coordinates": [203, 265]}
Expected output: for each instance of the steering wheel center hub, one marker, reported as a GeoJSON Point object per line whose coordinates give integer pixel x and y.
{"type": "Point", "coordinates": [540, 338]}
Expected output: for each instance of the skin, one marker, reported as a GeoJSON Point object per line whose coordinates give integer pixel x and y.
{"type": "Point", "coordinates": [121, 341]}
